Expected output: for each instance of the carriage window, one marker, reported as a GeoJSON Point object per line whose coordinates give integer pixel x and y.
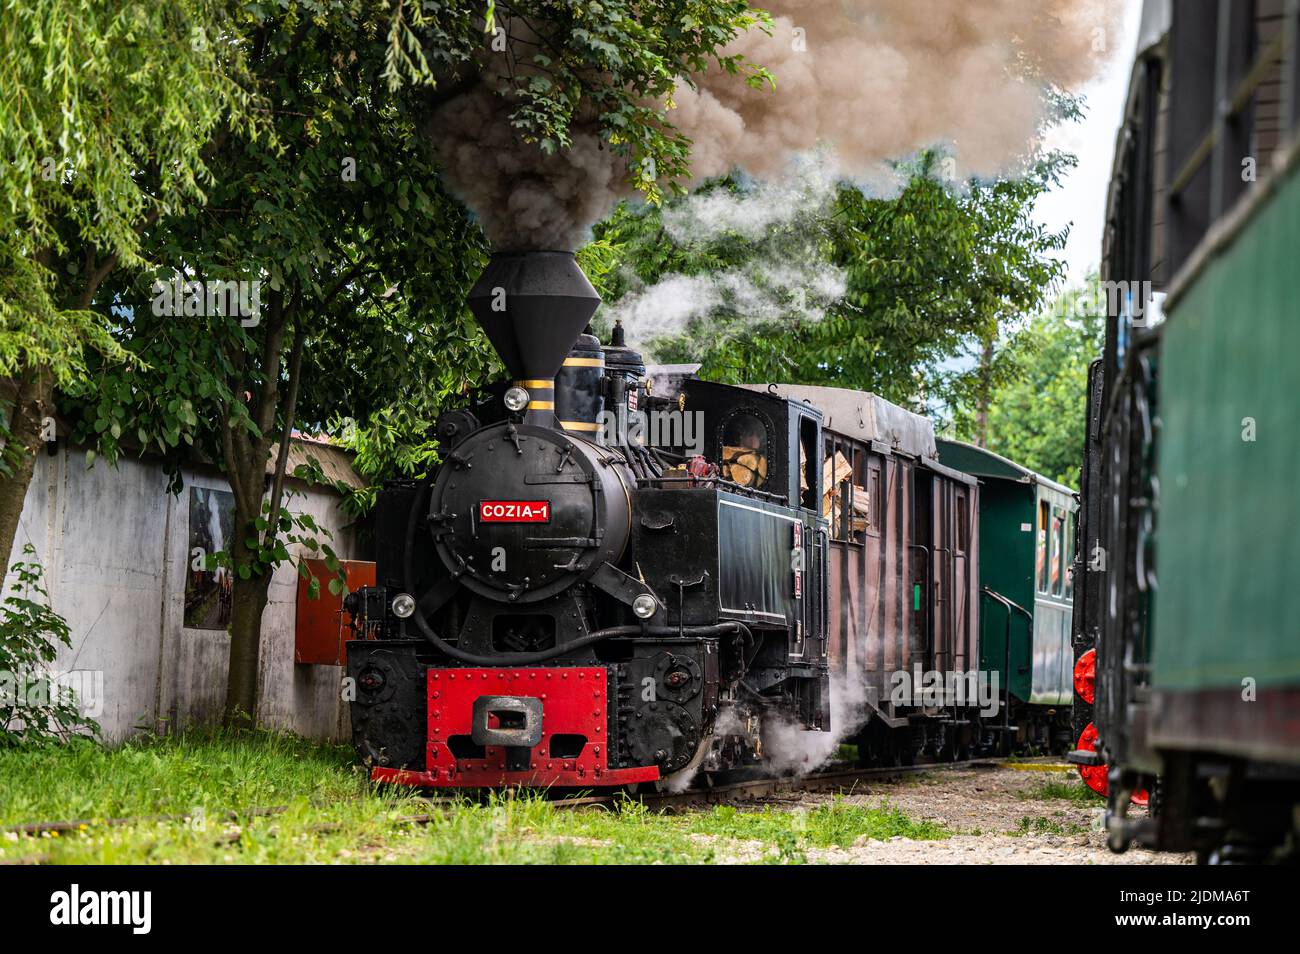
{"type": "Point", "coordinates": [1069, 555]}
{"type": "Point", "coordinates": [1040, 558]}
{"type": "Point", "coordinates": [1058, 538]}
{"type": "Point", "coordinates": [837, 489]}
{"type": "Point", "coordinates": [963, 522]}
{"type": "Point", "coordinates": [744, 450]}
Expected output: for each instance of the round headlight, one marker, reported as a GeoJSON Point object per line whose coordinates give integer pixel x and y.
{"type": "Point", "coordinates": [516, 399]}
{"type": "Point", "coordinates": [403, 605]}
{"type": "Point", "coordinates": [644, 606]}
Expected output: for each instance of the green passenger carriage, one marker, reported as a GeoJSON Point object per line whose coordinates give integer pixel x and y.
{"type": "Point", "coordinates": [1027, 548]}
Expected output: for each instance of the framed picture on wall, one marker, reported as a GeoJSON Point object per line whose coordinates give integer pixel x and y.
{"type": "Point", "coordinates": [208, 591]}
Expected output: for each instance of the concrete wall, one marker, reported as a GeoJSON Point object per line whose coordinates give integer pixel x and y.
{"type": "Point", "coordinates": [114, 545]}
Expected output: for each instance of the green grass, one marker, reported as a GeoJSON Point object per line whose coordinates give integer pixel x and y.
{"type": "Point", "coordinates": [1072, 790]}
{"type": "Point", "coordinates": [210, 770]}
{"type": "Point", "coordinates": [335, 815]}
{"type": "Point", "coordinates": [1046, 826]}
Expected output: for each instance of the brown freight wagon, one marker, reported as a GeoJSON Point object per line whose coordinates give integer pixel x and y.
{"type": "Point", "coordinates": [903, 572]}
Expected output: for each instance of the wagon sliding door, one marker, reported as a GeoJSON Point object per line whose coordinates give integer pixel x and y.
{"type": "Point", "coordinates": [945, 529]}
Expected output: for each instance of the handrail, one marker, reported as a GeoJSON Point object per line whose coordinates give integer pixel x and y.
{"type": "Point", "coordinates": [1009, 604]}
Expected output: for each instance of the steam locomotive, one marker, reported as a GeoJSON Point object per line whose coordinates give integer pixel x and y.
{"type": "Point", "coordinates": [568, 601]}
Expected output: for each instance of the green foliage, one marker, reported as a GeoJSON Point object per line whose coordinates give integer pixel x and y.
{"type": "Point", "coordinates": [930, 273]}
{"type": "Point", "coordinates": [1037, 410]}
{"type": "Point", "coordinates": [618, 61]}
{"type": "Point", "coordinates": [34, 707]}
{"type": "Point", "coordinates": [340, 217]}
{"type": "Point", "coordinates": [201, 768]}
{"type": "Point", "coordinates": [1042, 825]}
{"type": "Point", "coordinates": [839, 822]}
{"type": "Point", "coordinates": [105, 109]}
{"type": "Point", "coordinates": [34, 332]}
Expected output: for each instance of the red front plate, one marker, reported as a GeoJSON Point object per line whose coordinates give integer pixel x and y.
{"type": "Point", "coordinates": [574, 703]}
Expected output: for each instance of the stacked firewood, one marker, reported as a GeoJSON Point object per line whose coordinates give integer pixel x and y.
{"type": "Point", "coordinates": [836, 471]}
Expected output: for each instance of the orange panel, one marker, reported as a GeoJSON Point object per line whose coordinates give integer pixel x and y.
{"type": "Point", "coordinates": [320, 629]}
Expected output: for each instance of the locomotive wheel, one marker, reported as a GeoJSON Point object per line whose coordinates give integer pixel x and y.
{"type": "Point", "coordinates": [1085, 676]}
{"type": "Point", "coordinates": [1097, 777]}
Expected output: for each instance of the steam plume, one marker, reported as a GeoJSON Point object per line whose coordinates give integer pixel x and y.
{"type": "Point", "coordinates": [786, 277]}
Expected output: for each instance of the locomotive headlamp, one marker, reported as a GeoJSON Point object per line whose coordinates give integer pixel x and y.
{"type": "Point", "coordinates": [644, 606]}
{"type": "Point", "coordinates": [403, 605]}
{"type": "Point", "coordinates": [516, 399]}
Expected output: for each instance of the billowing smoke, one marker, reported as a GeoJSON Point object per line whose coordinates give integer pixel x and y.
{"type": "Point", "coordinates": [866, 81]}
{"type": "Point", "coordinates": [883, 79]}
{"type": "Point", "coordinates": [525, 198]}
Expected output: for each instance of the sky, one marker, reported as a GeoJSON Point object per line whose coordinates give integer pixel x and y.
{"type": "Point", "coordinates": [1081, 199]}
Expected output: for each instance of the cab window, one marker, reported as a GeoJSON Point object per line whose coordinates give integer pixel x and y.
{"type": "Point", "coordinates": [744, 450]}
{"type": "Point", "coordinates": [810, 469]}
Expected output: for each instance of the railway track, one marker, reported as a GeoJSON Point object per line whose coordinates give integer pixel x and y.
{"type": "Point", "coordinates": [836, 779]}
{"type": "Point", "coordinates": [840, 779]}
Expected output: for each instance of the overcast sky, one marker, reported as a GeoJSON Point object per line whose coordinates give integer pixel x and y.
{"type": "Point", "coordinates": [1081, 200]}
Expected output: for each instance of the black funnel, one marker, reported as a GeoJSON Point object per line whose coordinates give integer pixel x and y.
{"type": "Point", "coordinates": [533, 306]}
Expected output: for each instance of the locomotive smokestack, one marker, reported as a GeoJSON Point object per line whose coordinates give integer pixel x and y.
{"type": "Point", "coordinates": [533, 306]}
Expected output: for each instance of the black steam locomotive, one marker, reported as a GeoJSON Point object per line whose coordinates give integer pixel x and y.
{"type": "Point", "coordinates": [555, 609]}
{"type": "Point", "coordinates": [572, 601]}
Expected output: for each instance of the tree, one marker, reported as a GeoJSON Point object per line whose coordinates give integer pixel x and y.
{"type": "Point", "coordinates": [105, 112]}
{"type": "Point", "coordinates": [337, 223]}
{"type": "Point", "coordinates": [928, 275]}
{"type": "Point", "coordinates": [1037, 408]}
{"type": "Point", "coordinates": [363, 261]}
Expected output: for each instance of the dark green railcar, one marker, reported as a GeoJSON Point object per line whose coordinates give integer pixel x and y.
{"type": "Point", "coordinates": [1027, 540]}
{"type": "Point", "coordinates": [1194, 443]}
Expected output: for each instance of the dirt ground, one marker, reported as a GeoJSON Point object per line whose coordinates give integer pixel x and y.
{"type": "Point", "coordinates": [999, 815]}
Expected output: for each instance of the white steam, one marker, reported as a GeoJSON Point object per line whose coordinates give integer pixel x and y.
{"type": "Point", "coordinates": [789, 748]}
{"type": "Point", "coordinates": [785, 278]}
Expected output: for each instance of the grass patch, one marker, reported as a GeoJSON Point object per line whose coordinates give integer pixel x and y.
{"type": "Point", "coordinates": [838, 823]}
{"type": "Point", "coordinates": [208, 769]}
{"type": "Point", "coordinates": [1046, 826]}
{"type": "Point", "coordinates": [1072, 790]}
{"type": "Point", "coordinates": [333, 814]}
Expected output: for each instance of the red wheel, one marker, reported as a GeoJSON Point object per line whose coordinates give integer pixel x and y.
{"type": "Point", "coordinates": [1085, 676]}
{"type": "Point", "coordinates": [1095, 776]}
